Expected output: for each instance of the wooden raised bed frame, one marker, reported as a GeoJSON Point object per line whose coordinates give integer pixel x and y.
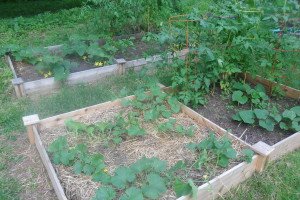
{"type": "Point", "coordinates": [210, 190]}
{"type": "Point", "coordinates": [48, 85]}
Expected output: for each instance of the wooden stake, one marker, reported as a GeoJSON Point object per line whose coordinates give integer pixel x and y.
{"type": "Point", "coordinates": [18, 84]}
{"type": "Point", "coordinates": [264, 150]}
{"type": "Point", "coordinates": [30, 122]}
{"type": "Point", "coordinates": [121, 66]}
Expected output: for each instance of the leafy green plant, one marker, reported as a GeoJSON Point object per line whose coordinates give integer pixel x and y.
{"type": "Point", "coordinates": [194, 77]}
{"type": "Point", "coordinates": [170, 126]}
{"type": "Point", "coordinates": [291, 119]}
{"type": "Point", "coordinates": [113, 131]}
{"type": "Point", "coordinates": [256, 96]}
{"type": "Point", "coordinates": [183, 189]}
{"type": "Point", "coordinates": [78, 157]}
{"type": "Point", "coordinates": [154, 103]}
{"type": "Point", "coordinates": [268, 119]}
{"type": "Point", "coordinates": [140, 180]}
{"type": "Point", "coordinates": [213, 149]}
{"type": "Point", "coordinates": [218, 151]}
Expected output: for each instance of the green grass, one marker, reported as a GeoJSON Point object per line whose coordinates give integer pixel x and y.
{"type": "Point", "coordinates": [9, 186]}
{"type": "Point", "coordinates": [281, 180]}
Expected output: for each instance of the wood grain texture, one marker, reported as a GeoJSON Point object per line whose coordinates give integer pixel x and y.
{"type": "Point", "coordinates": [285, 146]}
{"type": "Point", "coordinates": [224, 182]}
{"type": "Point", "coordinates": [48, 165]}
{"type": "Point", "coordinates": [76, 114]}
{"type": "Point", "coordinates": [288, 91]}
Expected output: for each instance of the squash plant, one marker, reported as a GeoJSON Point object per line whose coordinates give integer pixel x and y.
{"type": "Point", "coordinates": [288, 120]}
{"type": "Point", "coordinates": [256, 96]}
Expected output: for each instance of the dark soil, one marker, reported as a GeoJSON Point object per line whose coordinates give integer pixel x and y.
{"type": "Point", "coordinates": [140, 49]}
{"type": "Point", "coordinates": [220, 109]}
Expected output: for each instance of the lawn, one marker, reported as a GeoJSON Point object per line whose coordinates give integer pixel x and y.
{"type": "Point", "coordinates": [42, 23]}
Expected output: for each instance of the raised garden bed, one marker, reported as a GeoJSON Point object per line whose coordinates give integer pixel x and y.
{"type": "Point", "coordinates": [28, 82]}
{"type": "Point", "coordinates": [221, 112]}
{"type": "Point", "coordinates": [166, 146]}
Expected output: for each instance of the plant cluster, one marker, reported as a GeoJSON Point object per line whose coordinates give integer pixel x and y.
{"type": "Point", "coordinates": [149, 107]}
{"type": "Point", "coordinates": [256, 96]}
{"type": "Point", "coordinates": [288, 120]}
{"type": "Point", "coordinates": [147, 178]}
{"type": "Point", "coordinates": [114, 131]}
{"type": "Point", "coordinates": [78, 158]}
{"type": "Point", "coordinates": [236, 38]}
{"type": "Point", "coordinates": [193, 81]}
{"type": "Point", "coordinates": [48, 62]}
{"type": "Point", "coordinates": [132, 16]}
{"type": "Point", "coordinates": [218, 151]}
{"type": "Point", "coordinates": [152, 104]}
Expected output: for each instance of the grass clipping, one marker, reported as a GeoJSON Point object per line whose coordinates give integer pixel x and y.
{"type": "Point", "coordinates": [165, 146]}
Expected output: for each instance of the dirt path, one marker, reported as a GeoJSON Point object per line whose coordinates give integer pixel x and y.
{"type": "Point", "coordinates": [29, 171]}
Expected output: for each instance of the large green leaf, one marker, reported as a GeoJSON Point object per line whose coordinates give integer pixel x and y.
{"type": "Point", "coordinates": [155, 187]}
{"type": "Point", "coordinates": [247, 116]}
{"type": "Point", "coordinates": [289, 114]}
{"type": "Point", "coordinates": [181, 188]}
{"type": "Point", "coordinates": [247, 155]}
{"type": "Point", "coordinates": [101, 177]}
{"type": "Point", "coordinates": [267, 124]}
{"type": "Point", "coordinates": [132, 193]}
{"type": "Point", "coordinates": [296, 124]}
{"type": "Point", "coordinates": [174, 104]}
{"type": "Point", "coordinates": [296, 110]}
{"type": "Point", "coordinates": [135, 130]}
{"type": "Point", "coordinates": [59, 144]}
{"type": "Point", "coordinates": [203, 158]}
{"type": "Point", "coordinates": [239, 97]}
{"type": "Point", "coordinates": [122, 176]}
{"type": "Point", "coordinates": [230, 153]}
{"type": "Point", "coordinates": [283, 126]}
{"type": "Point", "coordinates": [223, 161]}
{"type": "Point", "coordinates": [107, 193]}
{"type": "Point", "coordinates": [261, 113]}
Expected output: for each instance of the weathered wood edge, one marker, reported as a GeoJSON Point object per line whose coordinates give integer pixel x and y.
{"type": "Point", "coordinates": [288, 91]}
{"type": "Point", "coordinates": [76, 114]}
{"type": "Point", "coordinates": [224, 182]}
{"type": "Point", "coordinates": [48, 165]}
{"type": "Point", "coordinates": [285, 146]}
{"type": "Point", "coordinates": [43, 86]}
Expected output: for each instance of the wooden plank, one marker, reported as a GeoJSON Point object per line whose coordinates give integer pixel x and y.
{"type": "Point", "coordinates": [76, 114]}
{"type": "Point", "coordinates": [288, 91]}
{"type": "Point", "coordinates": [48, 165]}
{"type": "Point", "coordinates": [29, 122]}
{"type": "Point", "coordinates": [11, 66]}
{"type": "Point", "coordinates": [224, 182]}
{"type": "Point", "coordinates": [264, 152]}
{"type": "Point", "coordinates": [43, 86]}
{"type": "Point", "coordinates": [285, 146]}
{"type": "Point", "coordinates": [207, 123]}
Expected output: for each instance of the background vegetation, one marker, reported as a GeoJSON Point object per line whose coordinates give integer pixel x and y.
{"type": "Point", "coordinates": [43, 23]}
